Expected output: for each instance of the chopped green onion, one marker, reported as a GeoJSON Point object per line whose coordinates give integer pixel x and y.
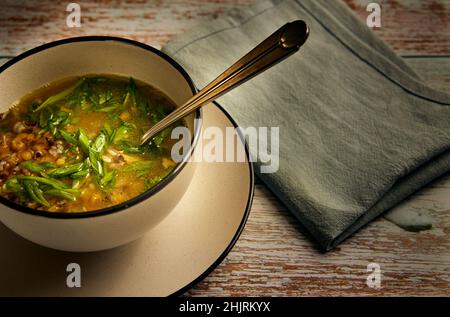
{"type": "Point", "coordinates": [36, 167]}
{"type": "Point", "coordinates": [83, 141]}
{"type": "Point", "coordinates": [68, 137]}
{"type": "Point", "coordinates": [60, 96]}
{"type": "Point", "coordinates": [35, 193]}
{"type": "Point", "coordinates": [69, 194]}
{"type": "Point", "coordinates": [48, 181]}
{"type": "Point", "coordinates": [66, 170]}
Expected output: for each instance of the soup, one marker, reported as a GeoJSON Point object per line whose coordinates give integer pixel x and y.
{"type": "Point", "coordinates": [73, 145]}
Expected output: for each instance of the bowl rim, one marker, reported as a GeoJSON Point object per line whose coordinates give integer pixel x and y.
{"type": "Point", "coordinates": [198, 120]}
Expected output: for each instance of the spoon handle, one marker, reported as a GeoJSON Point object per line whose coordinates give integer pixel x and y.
{"type": "Point", "coordinates": [281, 44]}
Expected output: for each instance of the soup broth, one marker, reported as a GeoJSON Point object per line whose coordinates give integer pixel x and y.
{"type": "Point", "coordinates": [73, 145]}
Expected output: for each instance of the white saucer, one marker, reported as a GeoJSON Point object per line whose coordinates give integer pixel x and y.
{"type": "Point", "coordinates": [168, 260]}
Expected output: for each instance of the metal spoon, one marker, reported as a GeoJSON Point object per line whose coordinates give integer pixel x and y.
{"type": "Point", "coordinates": [281, 44]}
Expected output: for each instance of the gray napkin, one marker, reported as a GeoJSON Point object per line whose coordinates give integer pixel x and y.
{"type": "Point", "coordinates": [359, 130]}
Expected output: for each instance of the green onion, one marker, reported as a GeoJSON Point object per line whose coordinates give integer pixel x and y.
{"type": "Point", "coordinates": [60, 96]}
{"type": "Point", "coordinates": [123, 131]}
{"type": "Point", "coordinates": [108, 109]}
{"type": "Point", "coordinates": [109, 179]}
{"type": "Point", "coordinates": [141, 168]}
{"type": "Point", "coordinates": [12, 185]}
{"type": "Point", "coordinates": [109, 132]}
{"type": "Point", "coordinates": [69, 194]}
{"type": "Point", "coordinates": [149, 183]}
{"type": "Point", "coordinates": [66, 170]}
{"type": "Point", "coordinates": [96, 162]}
{"type": "Point", "coordinates": [48, 181]}
{"type": "Point", "coordinates": [99, 143]}
{"type": "Point", "coordinates": [36, 167]}
{"type": "Point", "coordinates": [83, 141]}
{"type": "Point", "coordinates": [84, 172]}
{"type": "Point", "coordinates": [68, 137]}
{"type": "Point", "coordinates": [130, 148]}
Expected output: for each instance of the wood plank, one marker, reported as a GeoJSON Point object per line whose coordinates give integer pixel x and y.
{"type": "Point", "coordinates": [411, 27]}
{"type": "Point", "coordinates": [31, 23]}
{"type": "Point", "coordinates": [272, 257]}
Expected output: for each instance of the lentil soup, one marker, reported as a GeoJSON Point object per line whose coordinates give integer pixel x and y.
{"type": "Point", "coordinates": [73, 145]}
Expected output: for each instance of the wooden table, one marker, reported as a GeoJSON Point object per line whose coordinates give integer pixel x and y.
{"type": "Point", "coordinates": [274, 256]}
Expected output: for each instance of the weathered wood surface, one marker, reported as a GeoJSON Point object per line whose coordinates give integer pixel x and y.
{"type": "Point", "coordinates": [412, 27]}
{"type": "Point", "coordinates": [274, 256]}
{"type": "Point", "coordinates": [409, 26]}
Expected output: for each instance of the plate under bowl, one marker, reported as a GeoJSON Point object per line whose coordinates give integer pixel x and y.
{"type": "Point", "coordinates": [179, 252]}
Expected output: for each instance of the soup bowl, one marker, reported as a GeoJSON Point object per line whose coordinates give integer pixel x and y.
{"type": "Point", "coordinates": [117, 225]}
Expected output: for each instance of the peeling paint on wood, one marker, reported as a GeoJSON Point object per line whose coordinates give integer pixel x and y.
{"type": "Point", "coordinates": [410, 27]}
{"type": "Point", "coordinates": [274, 255]}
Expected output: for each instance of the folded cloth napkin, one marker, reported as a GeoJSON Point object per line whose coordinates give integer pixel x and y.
{"type": "Point", "coordinates": [359, 130]}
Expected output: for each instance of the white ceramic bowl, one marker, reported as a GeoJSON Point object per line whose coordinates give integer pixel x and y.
{"type": "Point", "coordinates": [115, 226]}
